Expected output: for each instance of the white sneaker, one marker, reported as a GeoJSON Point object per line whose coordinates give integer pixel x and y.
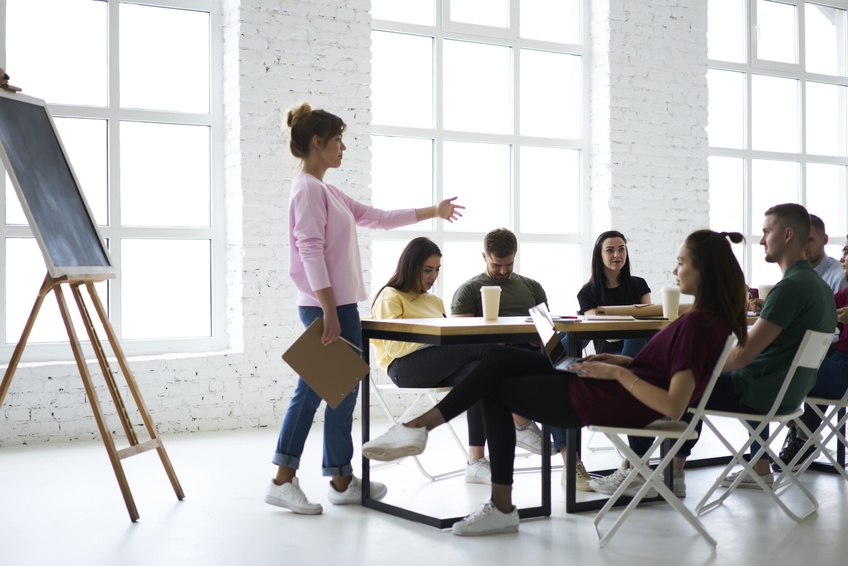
{"type": "Point", "coordinates": [610, 483]}
{"type": "Point", "coordinates": [353, 494]}
{"type": "Point", "coordinates": [747, 482]}
{"type": "Point", "coordinates": [531, 439]}
{"type": "Point", "coordinates": [582, 476]}
{"type": "Point", "coordinates": [679, 488]}
{"type": "Point", "coordinates": [487, 520]}
{"type": "Point", "coordinates": [396, 443]}
{"type": "Point", "coordinates": [290, 496]}
{"type": "Point", "coordinates": [478, 471]}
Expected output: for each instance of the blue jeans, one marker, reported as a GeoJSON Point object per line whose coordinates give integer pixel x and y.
{"type": "Point", "coordinates": [831, 383]}
{"type": "Point", "coordinates": [338, 422]}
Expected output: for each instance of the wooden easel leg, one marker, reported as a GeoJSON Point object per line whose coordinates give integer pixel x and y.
{"type": "Point", "coordinates": [136, 393]}
{"type": "Point", "coordinates": [95, 406]}
{"type": "Point", "coordinates": [19, 349]}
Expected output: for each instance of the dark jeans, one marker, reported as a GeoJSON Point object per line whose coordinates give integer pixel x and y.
{"type": "Point", "coordinates": [831, 383]}
{"type": "Point", "coordinates": [723, 398]}
{"type": "Point", "coordinates": [442, 366]}
{"type": "Point", "coordinates": [511, 380]}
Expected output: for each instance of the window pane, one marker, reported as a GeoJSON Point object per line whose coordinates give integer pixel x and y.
{"type": "Point", "coordinates": [460, 262]}
{"type": "Point", "coordinates": [477, 91]}
{"type": "Point", "coordinates": [726, 109]}
{"type": "Point", "coordinates": [36, 63]}
{"type": "Point", "coordinates": [551, 20]}
{"type": "Point", "coordinates": [401, 172]}
{"type": "Point", "coordinates": [484, 190]}
{"type": "Point", "coordinates": [826, 119]}
{"type": "Point", "coordinates": [25, 271]}
{"type": "Point", "coordinates": [481, 12]}
{"type": "Point", "coordinates": [384, 258]}
{"type": "Point", "coordinates": [176, 191]}
{"type": "Point", "coordinates": [825, 49]}
{"type": "Point", "coordinates": [775, 114]}
{"type": "Point", "coordinates": [826, 196]}
{"type": "Point", "coordinates": [422, 12]}
{"type": "Point", "coordinates": [550, 190]}
{"type": "Point", "coordinates": [176, 306]}
{"type": "Point", "coordinates": [551, 87]}
{"type": "Point", "coordinates": [170, 73]}
{"type": "Point", "coordinates": [777, 37]}
{"type": "Point", "coordinates": [726, 30]}
{"type": "Point", "coordinates": [727, 191]}
{"type": "Point", "coordinates": [773, 182]}
{"type": "Point", "coordinates": [85, 142]}
{"type": "Point", "coordinates": [556, 268]}
{"type": "Point", "coordinates": [14, 212]}
{"type": "Point", "coordinates": [402, 79]}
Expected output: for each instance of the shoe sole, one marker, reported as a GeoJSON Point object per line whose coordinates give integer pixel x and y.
{"type": "Point", "coordinates": [380, 494]}
{"type": "Point", "coordinates": [747, 485]}
{"type": "Point", "coordinates": [285, 505]}
{"type": "Point", "coordinates": [501, 531]}
{"type": "Point", "coordinates": [532, 449]}
{"type": "Point", "coordinates": [474, 479]}
{"type": "Point", "coordinates": [389, 453]}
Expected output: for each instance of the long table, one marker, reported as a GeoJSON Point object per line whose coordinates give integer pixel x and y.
{"type": "Point", "coordinates": [470, 330]}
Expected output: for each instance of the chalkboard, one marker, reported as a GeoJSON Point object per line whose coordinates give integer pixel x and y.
{"type": "Point", "coordinates": [49, 192]}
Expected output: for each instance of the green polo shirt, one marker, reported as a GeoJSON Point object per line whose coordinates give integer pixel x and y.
{"type": "Point", "coordinates": [801, 301]}
{"type": "Point", "coordinates": [518, 295]}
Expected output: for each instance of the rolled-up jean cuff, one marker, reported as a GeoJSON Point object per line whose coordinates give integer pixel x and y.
{"type": "Point", "coordinates": [337, 472]}
{"type": "Point", "coordinates": [286, 460]}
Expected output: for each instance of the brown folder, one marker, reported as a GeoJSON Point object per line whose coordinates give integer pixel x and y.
{"type": "Point", "coordinates": [332, 371]}
{"type": "Point", "coordinates": [639, 310]}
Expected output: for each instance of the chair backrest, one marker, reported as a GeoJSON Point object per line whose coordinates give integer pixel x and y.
{"type": "Point", "coordinates": [810, 354]}
{"type": "Point", "coordinates": [728, 345]}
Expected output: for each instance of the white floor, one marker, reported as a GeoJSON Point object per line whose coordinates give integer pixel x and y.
{"type": "Point", "coordinates": [60, 504]}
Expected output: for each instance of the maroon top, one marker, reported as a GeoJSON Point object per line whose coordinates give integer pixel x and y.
{"type": "Point", "coordinates": [694, 341]}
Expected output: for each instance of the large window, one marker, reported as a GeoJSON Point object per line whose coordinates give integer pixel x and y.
{"type": "Point", "coordinates": [484, 100]}
{"type": "Point", "coordinates": [134, 91]}
{"type": "Point", "coordinates": [777, 123]}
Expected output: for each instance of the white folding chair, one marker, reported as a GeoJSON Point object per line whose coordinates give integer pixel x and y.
{"type": "Point", "coordinates": [421, 395]}
{"type": "Point", "coordinates": [831, 421]}
{"type": "Point", "coordinates": [660, 430]}
{"type": "Point", "coordinates": [810, 354]}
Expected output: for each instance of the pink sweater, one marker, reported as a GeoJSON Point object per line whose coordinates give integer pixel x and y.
{"type": "Point", "coordinates": [324, 250]}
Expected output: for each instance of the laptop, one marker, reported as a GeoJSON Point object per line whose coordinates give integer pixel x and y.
{"type": "Point", "coordinates": [551, 344]}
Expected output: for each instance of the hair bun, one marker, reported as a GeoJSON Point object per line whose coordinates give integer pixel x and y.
{"type": "Point", "coordinates": [296, 113]}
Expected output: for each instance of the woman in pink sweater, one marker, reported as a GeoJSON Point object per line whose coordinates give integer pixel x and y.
{"type": "Point", "coordinates": [326, 269]}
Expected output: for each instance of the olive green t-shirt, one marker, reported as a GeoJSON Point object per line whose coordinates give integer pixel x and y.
{"type": "Point", "coordinates": [799, 302]}
{"type": "Point", "coordinates": [518, 295]}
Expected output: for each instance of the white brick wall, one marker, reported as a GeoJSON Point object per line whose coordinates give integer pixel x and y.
{"type": "Point", "coordinates": [648, 173]}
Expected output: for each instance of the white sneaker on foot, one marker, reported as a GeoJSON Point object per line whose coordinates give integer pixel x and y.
{"type": "Point", "coordinates": [487, 520]}
{"type": "Point", "coordinates": [353, 494]}
{"type": "Point", "coordinates": [396, 443]}
{"type": "Point", "coordinates": [478, 471]}
{"type": "Point", "coordinates": [530, 438]}
{"type": "Point", "coordinates": [747, 482]}
{"type": "Point", "coordinates": [582, 476]}
{"type": "Point", "coordinates": [679, 488]}
{"type": "Point", "coordinates": [290, 496]}
{"type": "Point", "coordinates": [610, 483]}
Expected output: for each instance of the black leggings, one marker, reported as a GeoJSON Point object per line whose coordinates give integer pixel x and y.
{"type": "Point", "coordinates": [511, 380]}
{"type": "Point", "coordinates": [441, 366]}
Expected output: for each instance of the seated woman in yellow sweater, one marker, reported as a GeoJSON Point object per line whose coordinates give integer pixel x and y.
{"type": "Point", "coordinates": [420, 365]}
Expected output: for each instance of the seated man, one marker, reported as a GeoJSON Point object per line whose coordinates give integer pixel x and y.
{"type": "Point", "coordinates": [518, 295]}
{"type": "Point", "coordinates": [754, 373]}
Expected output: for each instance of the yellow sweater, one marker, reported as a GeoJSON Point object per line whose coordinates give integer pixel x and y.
{"type": "Point", "coordinates": [392, 303]}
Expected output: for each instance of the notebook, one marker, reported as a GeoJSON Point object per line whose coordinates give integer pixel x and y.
{"type": "Point", "coordinates": [551, 344]}
{"type": "Point", "coordinates": [332, 371]}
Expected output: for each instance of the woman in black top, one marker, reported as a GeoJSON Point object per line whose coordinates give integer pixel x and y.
{"type": "Point", "coordinates": [612, 284]}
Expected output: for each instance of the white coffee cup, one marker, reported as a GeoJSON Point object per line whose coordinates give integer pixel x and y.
{"type": "Point", "coordinates": [765, 290]}
{"type": "Point", "coordinates": [670, 302]}
{"type": "Point", "coordinates": [491, 295]}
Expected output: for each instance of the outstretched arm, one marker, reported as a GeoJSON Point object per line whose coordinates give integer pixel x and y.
{"type": "Point", "coordinates": [446, 210]}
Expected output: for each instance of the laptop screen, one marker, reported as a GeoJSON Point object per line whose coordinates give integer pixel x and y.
{"type": "Point", "coordinates": [547, 331]}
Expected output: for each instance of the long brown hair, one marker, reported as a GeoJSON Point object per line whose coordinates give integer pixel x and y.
{"type": "Point", "coordinates": [722, 288]}
{"type": "Point", "coordinates": [407, 275]}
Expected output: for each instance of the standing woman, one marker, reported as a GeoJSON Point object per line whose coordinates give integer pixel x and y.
{"type": "Point", "coordinates": [326, 269]}
{"type": "Point", "coordinates": [612, 284]}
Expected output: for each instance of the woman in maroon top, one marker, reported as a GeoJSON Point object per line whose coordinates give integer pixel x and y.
{"type": "Point", "coordinates": [669, 373]}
